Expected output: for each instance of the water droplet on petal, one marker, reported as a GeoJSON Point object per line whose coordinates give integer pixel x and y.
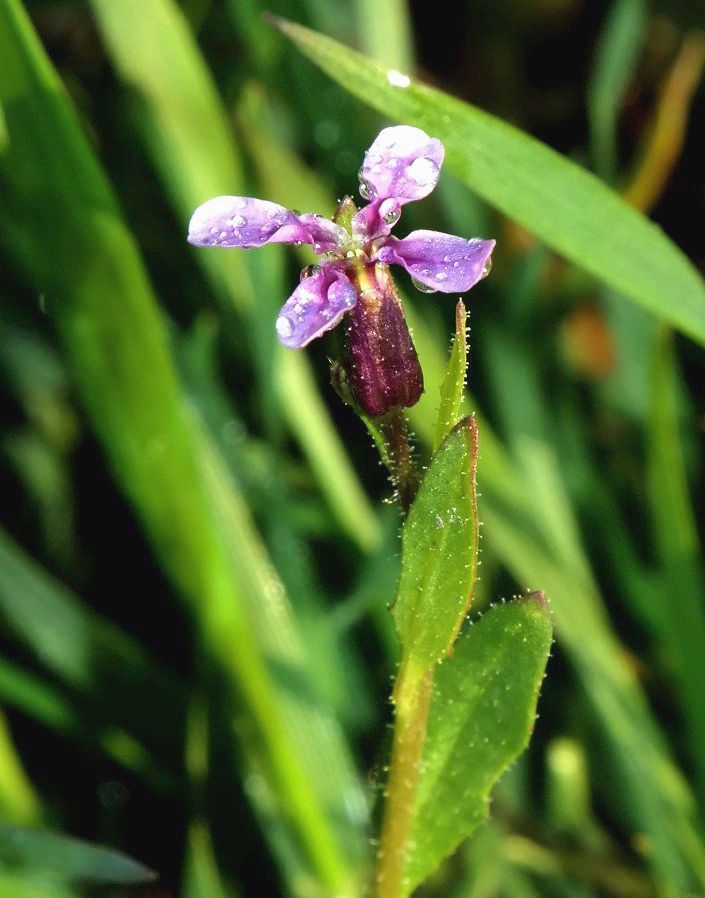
{"type": "Point", "coordinates": [391, 217]}
{"type": "Point", "coordinates": [238, 221]}
{"type": "Point", "coordinates": [367, 191]}
{"type": "Point", "coordinates": [423, 171]}
{"type": "Point", "coordinates": [424, 288]}
{"type": "Point", "coordinates": [309, 270]}
{"type": "Point", "coordinates": [284, 327]}
{"type": "Point", "coordinates": [441, 276]}
{"type": "Point", "coordinates": [487, 267]}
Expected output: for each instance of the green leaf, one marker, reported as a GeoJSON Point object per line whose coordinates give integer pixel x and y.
{"type": "Point", "coordinates": [439, 555]}
{"type": "Point", "coordinates": [564, 205]}
{"type": "Point", "coordinates": [481, 717]}
{"type": "Point", "coordinates": [453, 386]}
{"type": "Point", "coordinates": [67, 859]}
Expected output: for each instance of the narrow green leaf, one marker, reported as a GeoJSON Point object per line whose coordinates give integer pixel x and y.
{"type": "Point", "coordinates": [481, 717]}
{"type": "Point", "coordinates": [115, 338]}
{"type": "Point", "coordinates": [615, 58]}
{"type": "Point", "coordinates": [63, 858]}
{"type": "Point", "coordinates": [19, 886]}
{"type": "Point", "coordinates": [439, 555]}
{"type": "Point", "coordinates": [386, 33]}
{"type": "Point", "coordinates": [18, 800]}
{"type": "Point", "coordinates": [564, 205]}
{"type": "Point", "coordinates": [453, 386]}
{"type": "Point", "coordinates": [185, 129]}
{"type": "Point", "coordinates": [675, 534]}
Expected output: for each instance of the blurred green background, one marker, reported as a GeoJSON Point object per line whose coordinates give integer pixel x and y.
{"type": "Point", "coordinates": [198, 550]}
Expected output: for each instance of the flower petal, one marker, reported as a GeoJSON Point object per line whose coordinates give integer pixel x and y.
{"type": "Point", "coordinates": [376, 219]}
{"type": "Point", "coordinates": [317, 305]}
{"type": "Point", "coordinates": [439, 261]}
{"type": "Point", "coordinates": [403, 163]}
{"type": "Point", "coordinates": [246, 222]}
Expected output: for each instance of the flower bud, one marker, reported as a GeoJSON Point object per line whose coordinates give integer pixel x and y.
{"type": "Point", "coordinates": [382, 366]}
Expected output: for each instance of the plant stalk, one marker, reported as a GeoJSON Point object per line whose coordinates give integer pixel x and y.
{"type": "Point", "coordinates": [407, 752]}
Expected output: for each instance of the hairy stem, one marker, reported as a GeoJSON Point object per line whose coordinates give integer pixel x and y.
{"type": "Point", "coordinates": [396, 453]}
{"type": "Point", "coordinates": [407, 752]}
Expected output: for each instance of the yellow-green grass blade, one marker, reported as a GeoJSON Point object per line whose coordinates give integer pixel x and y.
{"type": "Point", "coordinates": [114, 337]}
{"type": "Point", "coordinates": [185, 129]}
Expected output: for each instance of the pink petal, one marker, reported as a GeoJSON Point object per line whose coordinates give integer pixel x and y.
{"type": "Point", "coordinates": [246, 222]}
{"type": "Point", "coordinates": [376, 219]}
{"type": "Point", "coordinates": [439, 261]}
{"type": "Point", "coordinates": [317, 305]}
{"type": "Point", "coordinates": [403, 163]}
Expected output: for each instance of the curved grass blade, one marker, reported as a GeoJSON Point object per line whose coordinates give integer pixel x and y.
{"type": "Point", "coordinates": [184, 126]}
{"type": "Point", "coordinates": [114, 336]}
{"type": "Point", "coordinates": [566, 206]}
{"type": "Point", "coordinates": [18, 800]}
{"type": "Point", "coordinates": [66, 859]}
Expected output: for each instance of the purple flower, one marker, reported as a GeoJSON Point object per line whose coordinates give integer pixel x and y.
{"type": "Point", "coordinates": [402, 165]}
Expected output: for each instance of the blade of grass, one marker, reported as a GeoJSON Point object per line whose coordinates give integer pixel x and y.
{"type": "Point", "coordinates": [616, 55]}
{"type": "Point", "coordinates": [385, 33]}
{"type": "Point", "coordinates": [114, 337]}
{"type": "Point", "coordinates": [18, 801]}
{"type": "Point", "coordinates": [55, 709]}
{"type": "Point", "coordinates": [552, 197]}
{"type": "Point", "coordinates": [675, 535]}
{"type": "Point", "coordinates": [185, 130]}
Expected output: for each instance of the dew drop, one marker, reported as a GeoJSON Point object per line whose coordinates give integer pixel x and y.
{"type": "Point", "coordinates": [392, 217]}
{"type": "Point", "coordinates": [487, 267]}
{"type": "Point", "coordinates": [422, 170]}
{"type": "Point", "coordinates": [398, 79]}
{"type": "Point", "coordinates": [284, 327]}
{"type": "Point", "coordinates": [238, 221]}
{"type": "Point", "coordinates": [424, 288]}
{"type": "Point", "coordinates": [441, 276]}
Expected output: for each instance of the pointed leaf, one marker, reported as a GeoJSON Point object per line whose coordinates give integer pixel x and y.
{"type": "Point", "coordinates": [560, 202]}
{"type": "Point", "coordinates": [439, 555]}
{"type": "Point", "coordinates": [64, 858]}
{"type": "Point", "coordinates": [482, 714]}
{"type": "Point", "coordinates": [453, 385]}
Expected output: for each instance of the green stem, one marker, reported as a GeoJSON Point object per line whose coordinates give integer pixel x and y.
{"type": "Point", "coordinates": [407, 752]}
{"type": "Point", "coordinates": [391, 435]}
